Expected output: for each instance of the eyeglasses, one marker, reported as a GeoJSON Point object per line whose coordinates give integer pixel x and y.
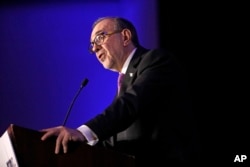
{"type": "Point", "coordinates": [99, 39]}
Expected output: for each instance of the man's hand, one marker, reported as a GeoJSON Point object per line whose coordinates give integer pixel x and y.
{"type": "Point", "coordinates": [64, 135]}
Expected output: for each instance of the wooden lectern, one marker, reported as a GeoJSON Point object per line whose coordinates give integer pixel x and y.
{"type": "Point", "coordinates": [30, 151]}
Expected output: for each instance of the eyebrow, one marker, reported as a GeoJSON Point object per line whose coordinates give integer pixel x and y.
{"type": "Point", "coordinates": [98, 32]}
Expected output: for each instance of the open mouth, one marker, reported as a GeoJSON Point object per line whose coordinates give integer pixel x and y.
{"type": "Point", "coordinates": [101, 57]}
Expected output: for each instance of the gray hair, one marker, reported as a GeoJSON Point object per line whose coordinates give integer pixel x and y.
{"type": "Point", "coordinates": [120, 24]}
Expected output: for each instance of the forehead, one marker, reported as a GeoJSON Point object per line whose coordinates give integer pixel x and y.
{"type": "Point", "coordinates": [104, 25]}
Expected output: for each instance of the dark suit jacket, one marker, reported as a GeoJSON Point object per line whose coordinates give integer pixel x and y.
{"type": "Point", "coordinates": [152, 117]}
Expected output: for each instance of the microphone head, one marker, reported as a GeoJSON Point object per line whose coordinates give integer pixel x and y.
{"type": "Point", "coordinates": [84, 82]}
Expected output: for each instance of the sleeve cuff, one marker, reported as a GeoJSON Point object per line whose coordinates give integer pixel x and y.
{"type": "Point", "coordinates": [88, 134]}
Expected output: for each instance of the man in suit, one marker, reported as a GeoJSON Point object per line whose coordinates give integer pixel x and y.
{"type": "Point", "coordinates": [151, 116]}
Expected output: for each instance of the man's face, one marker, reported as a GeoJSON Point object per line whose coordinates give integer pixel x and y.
{"type": "Point", "coordinates": [107, 44]}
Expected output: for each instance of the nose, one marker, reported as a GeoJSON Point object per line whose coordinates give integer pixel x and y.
{"type": "Point", "coordinates": [96, 48]}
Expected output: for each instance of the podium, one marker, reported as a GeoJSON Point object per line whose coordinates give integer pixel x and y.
{"type": "Point", "coordinates": [30, 151]}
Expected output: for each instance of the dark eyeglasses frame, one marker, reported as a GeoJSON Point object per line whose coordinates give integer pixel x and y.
{"type": "Point", "coordinates": [101, 36]}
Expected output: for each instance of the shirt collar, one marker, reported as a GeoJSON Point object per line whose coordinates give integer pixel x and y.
{"type": "Point", "coordinates": [125, 65]}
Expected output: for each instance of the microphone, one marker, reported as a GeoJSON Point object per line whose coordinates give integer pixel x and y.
{"type": "Point", "coordinates": [84, 83]}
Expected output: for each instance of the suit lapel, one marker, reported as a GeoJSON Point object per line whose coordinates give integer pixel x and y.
{"type": "Point", "coordinates": [131, 74]}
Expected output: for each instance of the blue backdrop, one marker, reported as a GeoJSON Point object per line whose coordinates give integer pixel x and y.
{"type": "Point", "coordinates": [44, 58]}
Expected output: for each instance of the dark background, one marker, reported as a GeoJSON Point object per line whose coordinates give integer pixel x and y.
{"type": "Point", "coordinates": [43, 58]}
{"type": "Point", "coordinates": [211, 41]}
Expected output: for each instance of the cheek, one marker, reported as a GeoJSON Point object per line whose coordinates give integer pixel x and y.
{"type": "Point", "coordinates": [112, 50]}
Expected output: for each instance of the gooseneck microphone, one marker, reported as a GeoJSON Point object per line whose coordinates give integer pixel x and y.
{"type": "Point", "coordinates": [84, 83]}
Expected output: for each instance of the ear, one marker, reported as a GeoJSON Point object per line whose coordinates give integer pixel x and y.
{"type": "Point", "coordinates": [126, 33]}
